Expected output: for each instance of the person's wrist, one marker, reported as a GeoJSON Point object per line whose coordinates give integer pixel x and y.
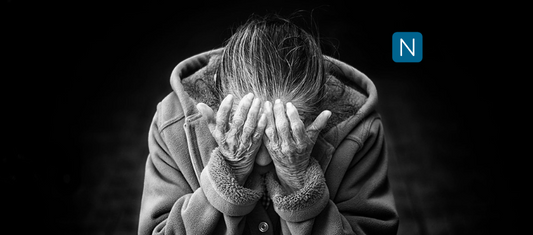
{"type": "Point", "coordinates": [241, 170]}
{"type": "Point", "coordinates": [292, 177]}
{"type": "Point", "coordinates": [291, 181]}
{"type": "Point", "coordinates": [288, 188]}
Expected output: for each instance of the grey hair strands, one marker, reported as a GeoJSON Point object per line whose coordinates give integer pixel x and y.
{"type": "Point", "coordinates": [274, 59]}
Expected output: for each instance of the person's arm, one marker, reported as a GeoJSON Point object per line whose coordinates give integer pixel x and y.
{"type": "Point", "coordinates": [227, 193]}
{"type": "Point", "coordinates": [169, 203]}
{"type": "Point", "coordinates": [363, 205]}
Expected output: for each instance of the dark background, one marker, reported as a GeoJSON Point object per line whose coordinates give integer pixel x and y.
{"type": "Point", "coordinates": [83, 81]}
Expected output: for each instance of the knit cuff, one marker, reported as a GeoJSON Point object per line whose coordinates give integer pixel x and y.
{"type": "Point", "coordinates": [305, 203]}
{"type": "Point", "coordinates": [224, 192]}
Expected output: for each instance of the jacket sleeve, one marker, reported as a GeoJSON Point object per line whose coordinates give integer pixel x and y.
{"type": "Point", "coordinates": [172, 205]}
{"type": "Point", "coordinates": [363, 204]}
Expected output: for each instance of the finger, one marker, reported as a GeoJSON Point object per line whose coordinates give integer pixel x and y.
{"type": "Point", "coordinates": [260, 129]}
{"type": "Point", "coordinates": [242, 111]}
{"type": "Point", "coordinates": [223, 113]}
{"type": "Point", "coordinates": [297, 126]}
{"type": "Point", "coordinates": [320, 122]}
{"type": "Point", "coordinates": [251, 119]}
{"type": "Point", "coordinates": [282, 124]}
{"type": "Point", "coordinates": [209, 114]}
{"type": "Point", "coordinates": [270, 130]}
{"type": "Point", "coordinates": [253, 142]}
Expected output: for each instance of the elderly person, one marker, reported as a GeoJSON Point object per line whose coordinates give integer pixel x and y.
{"type": "Point", "coordinates": [267, 136]}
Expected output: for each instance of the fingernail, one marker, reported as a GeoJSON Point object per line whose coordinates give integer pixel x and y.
{"type": "Point", "coordinates": [250, 95]}
{"type": "Point", "coordinates": [328, 113]}
{"type": "Point", "coordinates": [278, 101]}
{"type": "Point", "coordinates": [289, 104]}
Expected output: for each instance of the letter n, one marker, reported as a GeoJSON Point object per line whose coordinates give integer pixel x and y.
{"type": "Point", "coordinates": [402, 42]}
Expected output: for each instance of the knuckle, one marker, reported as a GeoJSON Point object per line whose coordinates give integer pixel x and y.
{"type": "Point", "coordinates": [238, 121]}
{"type": "Point", "coordinates": [257, 136]}
{"type": "Point", "coordinates": [286, 152]}
{"type": "Point", "coordinates": [298, 126]}
{"type": "Point", "coordinates": [247, 131]}
{"type": "Point", "coordinates": [300, 148]}
{"type": "Point", "coordinates": [286, 149]}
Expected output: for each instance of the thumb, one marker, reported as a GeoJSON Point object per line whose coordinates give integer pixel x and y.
{"type": "Point", "coordinates": [320, 122]}
{"type": "Point", "coordinates": [209, 114]}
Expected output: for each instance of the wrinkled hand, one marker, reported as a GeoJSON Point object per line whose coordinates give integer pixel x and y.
{"type": "Point", "coordinates": [238, 139]}
{"type": "Point", "coordinates": [290, 143]}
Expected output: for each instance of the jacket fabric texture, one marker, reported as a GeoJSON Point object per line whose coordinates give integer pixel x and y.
{"type": "Point", "coordinates": [189, 188]}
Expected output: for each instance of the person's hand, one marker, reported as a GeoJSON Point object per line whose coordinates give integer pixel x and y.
{"type": "Point", "coordinates": [290, 143]}
{"type": "Point", "coordinates": [238, 139]}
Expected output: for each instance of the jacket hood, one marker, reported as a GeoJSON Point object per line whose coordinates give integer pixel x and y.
{"type": "Point", "coordinates": [193, 81]}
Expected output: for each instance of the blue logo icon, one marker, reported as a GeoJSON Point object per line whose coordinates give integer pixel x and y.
{"type": "Point", "coordinates": [407, 47]}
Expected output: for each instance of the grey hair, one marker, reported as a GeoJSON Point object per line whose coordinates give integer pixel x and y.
{"type": "Point", "coordinates": [274, 59]}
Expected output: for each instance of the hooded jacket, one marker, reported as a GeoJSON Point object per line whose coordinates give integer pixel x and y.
{"type": "Point", "coordinates": [190, 190]}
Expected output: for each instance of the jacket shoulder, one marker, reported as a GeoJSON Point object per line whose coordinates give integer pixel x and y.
{"type": "Point", "coordinates": [169, 111]}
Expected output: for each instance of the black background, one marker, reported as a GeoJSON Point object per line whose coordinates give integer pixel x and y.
{"type": "Point", "coordinates": [83, 81]}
